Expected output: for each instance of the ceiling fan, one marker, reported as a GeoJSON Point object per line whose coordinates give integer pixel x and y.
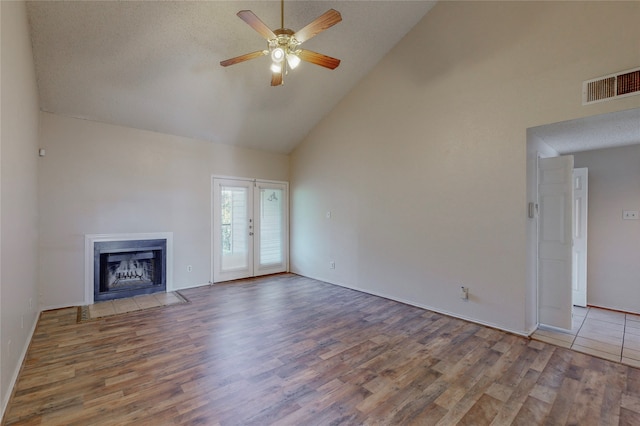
{"type": "Point", "coordinates": [283, 44]}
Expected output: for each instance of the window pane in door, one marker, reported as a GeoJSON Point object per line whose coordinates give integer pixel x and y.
{"type": "Point", "coordinates": [271, 250]}
{"type": "Point", "coordinates": [234, 226]}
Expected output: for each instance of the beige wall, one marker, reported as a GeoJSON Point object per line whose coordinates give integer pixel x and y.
{"type": "Point", "coordinates": [18, 179]}
{"type": "Point", "coordinates": [423, 165]}
{"type": "Point", "coordinates": [613, 265]}
{"type": "Point", "coordinates": [103, 179]}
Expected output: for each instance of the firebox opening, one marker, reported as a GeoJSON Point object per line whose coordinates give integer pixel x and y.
{"type": "Point", "coordinates": [129, 268]}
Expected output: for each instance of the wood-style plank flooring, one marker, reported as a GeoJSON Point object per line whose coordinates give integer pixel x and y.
{"type": "Point", "coordinates": [289, 350]}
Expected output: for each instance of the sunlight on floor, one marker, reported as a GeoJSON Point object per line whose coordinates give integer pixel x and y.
{"type": "Point", "coordinates": [606, 334]}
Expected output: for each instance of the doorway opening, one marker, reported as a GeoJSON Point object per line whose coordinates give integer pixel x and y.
{"type": "Point", "coordinates": [574, 136]}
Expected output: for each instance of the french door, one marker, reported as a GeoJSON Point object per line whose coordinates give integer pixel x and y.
{"type": "Point", "coordinates": [250, 228]}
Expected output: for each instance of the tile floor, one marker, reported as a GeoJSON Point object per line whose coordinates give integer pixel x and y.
{"type": "Point", "coordinates": [606, 334]}
{"type": "Point", "coordinates": [120, 306]}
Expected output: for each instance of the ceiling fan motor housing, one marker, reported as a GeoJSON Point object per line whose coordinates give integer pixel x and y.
{"type": "Point", "coordinates": [284, 40]}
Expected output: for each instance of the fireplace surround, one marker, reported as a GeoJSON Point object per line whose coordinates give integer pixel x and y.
{"type": "Point", "coordinates": [126, 265]}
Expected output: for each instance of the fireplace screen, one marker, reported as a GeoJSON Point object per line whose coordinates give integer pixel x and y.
{"type": "Point", "coordinates": [129, 268]}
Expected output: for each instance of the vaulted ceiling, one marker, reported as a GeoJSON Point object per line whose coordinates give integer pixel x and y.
{"type": "Point", "coordinates": [155, 65]}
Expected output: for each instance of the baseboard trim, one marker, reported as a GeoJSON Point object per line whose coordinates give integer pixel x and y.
{"type": "Point", "coordinates": [16, 373]}
{"type": "Point", "coordinates": [423, 306]}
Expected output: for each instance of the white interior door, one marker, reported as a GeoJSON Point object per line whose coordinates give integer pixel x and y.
{"type": "Point", "coordinates": [250, 228]}
{"type": "Point", "coordinates": [555, 192]}
{"type": "Point", "coordinates": [580, 203]}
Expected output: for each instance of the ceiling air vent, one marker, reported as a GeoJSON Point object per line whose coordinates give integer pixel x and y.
{"type": "Point", "coordinates": [618, 85]}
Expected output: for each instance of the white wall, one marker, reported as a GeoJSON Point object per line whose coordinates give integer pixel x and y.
{"type": "Point", "coordinates": [423, 165]}
{"type": "Point", "coordinates": [103, 179]}
{"type": "Point", "coordinates": [613, 259]}
{"type": "Point", "coordinates": [18, 181]}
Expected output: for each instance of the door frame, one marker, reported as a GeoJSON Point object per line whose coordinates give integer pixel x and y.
{"type": "Point", "coordinates": [212, 212]}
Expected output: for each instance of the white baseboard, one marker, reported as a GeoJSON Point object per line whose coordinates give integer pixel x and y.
{"type": "Point", "coordinates": [445, 312]}
{"type": "Point", "coordinates": [532, 330]}
{"type": "Point", "coordinates": [427, 307]}
{"type": "Point", "coordinates": [16, 372]}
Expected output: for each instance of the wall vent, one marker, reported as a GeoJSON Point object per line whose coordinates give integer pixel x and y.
{"type": "Point", "coordinates": [613, 86]}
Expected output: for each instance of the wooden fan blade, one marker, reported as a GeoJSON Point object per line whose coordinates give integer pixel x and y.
{"type": "Point", "coordinates": [321, 23]}
{"type": "Point", "coordinates": [242, 58]}
{"type": "Point", "coordinates": [319, 59]}
{"type": "Point", "coordinates": [277, 78]}
{"type": "Point", "coordinates": [254, 22]}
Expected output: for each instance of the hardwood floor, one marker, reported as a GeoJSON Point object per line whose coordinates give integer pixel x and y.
{"type": "Point", "coordinates": [293, 351]}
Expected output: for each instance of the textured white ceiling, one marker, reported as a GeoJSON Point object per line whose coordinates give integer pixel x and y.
{"type": "Point", "coordinates": [155, 65]}
{"type": "Point", "coordinates": [597, 132]}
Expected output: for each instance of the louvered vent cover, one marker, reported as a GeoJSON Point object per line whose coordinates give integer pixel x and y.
{"type": "Point", "coordinates": [622, 84]}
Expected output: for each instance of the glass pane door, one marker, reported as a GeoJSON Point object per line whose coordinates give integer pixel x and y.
{"type": "Point", "coordinates": [271, 220]}
{"type": "Point", "coordinates": [233, 230]}
{"type": "Point", "coordinates": [250, 228]}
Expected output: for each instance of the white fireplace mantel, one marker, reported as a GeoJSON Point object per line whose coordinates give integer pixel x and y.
{"type": "Point", "coordinates": [91, 239]}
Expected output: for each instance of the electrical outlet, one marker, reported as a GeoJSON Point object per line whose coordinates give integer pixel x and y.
{"type": "Point", "coordinates": [464, 293]}
{"type": "Point", "coordinates": [328, 214]}
{"type": "Point", "coordinates": [332, 265]}
{"type": "Point", "coordinates": [630, 215]}
{"type": "Point", "coordinates": [189, 268]}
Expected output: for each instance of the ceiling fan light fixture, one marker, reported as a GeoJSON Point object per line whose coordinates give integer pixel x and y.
{"type": "Point", "coordinates": [277, 55]}
{"type": "Point", "coordinates": [282, 43]}
{"type": "Point", "coordinates": [276, 67]}
{"type": "Point", "coordinates": [293, 60]}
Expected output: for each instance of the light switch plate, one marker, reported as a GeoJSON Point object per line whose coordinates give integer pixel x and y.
{"type": "Point", "coordinates": [630, 215]}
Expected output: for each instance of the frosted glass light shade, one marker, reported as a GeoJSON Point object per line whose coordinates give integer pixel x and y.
{"type": "Point", "coordinates": [293, 60]}
{"type": "Point", "coordinates": [277, 55]}
{"type": "Point", "coordinates": [276, 68]}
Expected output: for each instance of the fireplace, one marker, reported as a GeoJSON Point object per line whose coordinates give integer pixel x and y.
{"type": "Point", "coordinates": [129, 268]}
